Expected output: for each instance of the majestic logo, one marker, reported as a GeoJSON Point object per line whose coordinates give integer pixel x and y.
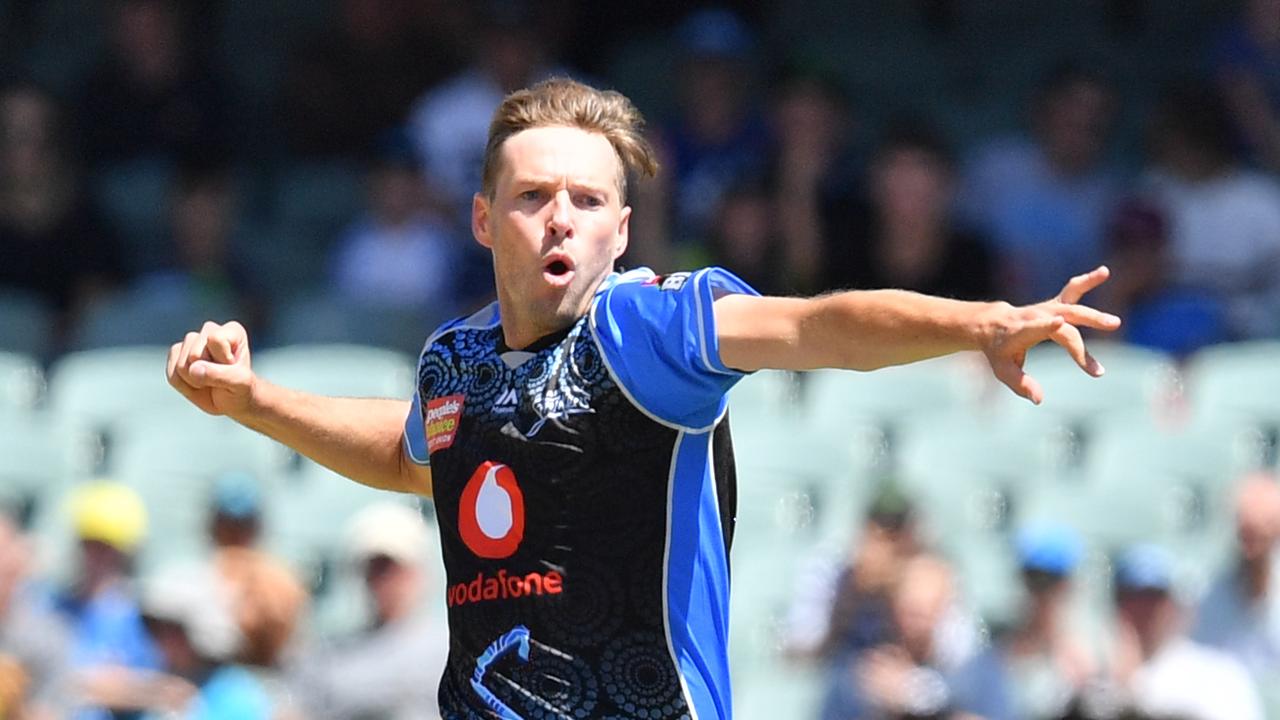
{"type": "Point", "coordinates": [443, 416]}
{"type": "Point", "coordinates": [491, 513]}
{"type": "Point", "coordinates": [507, 401]}
{"type": "Point", "coordinates": [674, 281]}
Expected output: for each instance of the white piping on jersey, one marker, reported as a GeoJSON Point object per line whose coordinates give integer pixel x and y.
{"type": "Point", "coordinates": [666, 572]}
{"type": "Point", "coordinates": [626, 392]}
{"type": "Point", "coordinates": [698, 280]}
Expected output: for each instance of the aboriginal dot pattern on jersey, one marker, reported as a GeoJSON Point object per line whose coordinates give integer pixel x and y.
{"type": "Point", "coordinates": [593, 472]}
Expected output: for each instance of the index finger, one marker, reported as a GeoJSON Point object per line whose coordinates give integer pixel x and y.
{"type": "Point", "coordinates": [1077, 286]}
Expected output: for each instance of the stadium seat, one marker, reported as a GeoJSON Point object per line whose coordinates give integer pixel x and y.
{"type": "Point", "coordinates": [328, 319]}
{"type": "Point", "coordinates": [763, 397]}
{"type": "Point", "coordinates": [26, 325]}
{"type": "Point", "coordinates": [341, 370]}
{"type": "Point", "coordinates": [1237, 378]}
{"type": "Point", "coordinates": [134, 198]}
{"type": "Point", "coordinates": [21, 382]}
{"type": "Point", "coordinates": [832, 397]}
{"type": "Point", "coordinates": [95, 390]}
{"type": "Point", "coordinates": [158, 314]}
{"type": "Point", "coordinates": [1136, 379]}
{"type": "Point", "coordinates": [37, 459]}
{"type": "Point", "coordinates": [171, 458]}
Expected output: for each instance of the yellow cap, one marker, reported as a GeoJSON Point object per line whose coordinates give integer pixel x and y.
{"type": "Point", "coordinates": [111, 513]}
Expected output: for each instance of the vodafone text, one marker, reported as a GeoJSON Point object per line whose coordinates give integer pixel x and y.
{"type": "Point", "coordinates": [505, 587]}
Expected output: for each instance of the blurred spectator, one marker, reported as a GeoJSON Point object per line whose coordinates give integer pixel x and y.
{"type": "Point", "coordinates": [814, 166]}
{"type": "Point", "coordinates": [842, 608]}
{"type": "Point", "coordinates": [906, 677]}
{"type": "Point", "coordinates": [907, 238]}
{"type": "Point", "coordinates": [151, 96]}
{"type": "Point", "coordinates": [33, 641]}
{"type": "Point", "coordinates": [100, 605]}
{"type": "Point", "coordinates": [744, 235]}
{"type": "Point", "coordinates": [1224, 220]}
{"type": "Point", "coordinates": [266, 598]}
{"type": "Point", "coordinates": [187, 611]}
{"type": "Point", "coordinates": [718, 137]}
{"type": "Point", "coordinates": [1165, 673]}
{"type": "Point", "coordinates": [1241, 612]}
{"type": "Point", "coordinates": [203, 270]}
{"type": "Point", "coordinates": [1039, 669]}
{"type": "Point", "coordinates": [450, 123]}
{"type": "Point", "coordinates": [365, 676]}
{"type": "Point", "coordinates": [361, 75]}
{"type": "Point", "coordinates": [51, 243]}
{"type": "Point", "coordinates": [1247, 62]}
{"type": "Point", "coordinates": [1044, 199]}
{"type": "Point", "coordinates": [1157, 312]}
{"type": "Point", "coordinates": [401, 254]}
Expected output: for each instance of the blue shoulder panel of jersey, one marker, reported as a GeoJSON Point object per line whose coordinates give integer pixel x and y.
{"type": "Point", "coordinates": [658, 335]}
{"type": "Point", "coordinates": [415, 435]}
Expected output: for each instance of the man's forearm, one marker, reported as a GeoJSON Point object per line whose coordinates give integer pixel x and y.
{"type": "Point", "coordinates": [359, 438]}
{"type": "Point", "coordinates": [865, 330]}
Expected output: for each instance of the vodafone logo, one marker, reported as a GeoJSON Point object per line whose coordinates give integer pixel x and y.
{"type": "Point", "coordinates": [491, 512]}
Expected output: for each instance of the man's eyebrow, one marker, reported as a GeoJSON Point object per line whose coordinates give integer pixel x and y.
{"type": "Point", "coordinates": [538, 180]}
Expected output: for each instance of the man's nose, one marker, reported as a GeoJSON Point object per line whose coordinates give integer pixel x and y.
{"type": "Point", "coordinates": [561, 222]}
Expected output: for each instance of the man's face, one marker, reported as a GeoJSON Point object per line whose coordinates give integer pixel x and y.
{"type": "Point", "coordinates": [555, 225]}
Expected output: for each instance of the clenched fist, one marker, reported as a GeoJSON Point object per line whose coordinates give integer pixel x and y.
{"type": "Point", "coordinates": [211, 368]}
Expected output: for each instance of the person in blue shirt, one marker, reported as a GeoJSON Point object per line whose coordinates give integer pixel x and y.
{"type": "Point", "coordinates": [572, 435]}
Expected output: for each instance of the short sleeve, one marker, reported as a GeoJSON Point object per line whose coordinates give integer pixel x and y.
{"type": "Point", "coordinates": [415, 435]}
{"type": "Point", "coordinates": [659, 340]}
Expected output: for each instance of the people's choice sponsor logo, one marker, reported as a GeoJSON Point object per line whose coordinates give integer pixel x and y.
{"type": "Point", "coordinates": [443, 416]}
{"type": "Point", "coordinates": [491, 512]}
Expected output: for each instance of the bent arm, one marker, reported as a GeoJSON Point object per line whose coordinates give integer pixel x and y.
{"type": "Point", "coordinates": [359, 438]}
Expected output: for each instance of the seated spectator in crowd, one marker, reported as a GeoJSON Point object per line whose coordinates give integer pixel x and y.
{"type": "Point", "coordinates": [1224, 220]}
{"type": "Point", "coordinates": [815, 169]}
{"type": "Point", "coordinates": [1162, 671]}
{"type": "Point", "coordinates": [1158, 312]}
{"type": "Point", "coordinates": [52, 245]}
{"type": "Point", "coordinates": [1241, 612]}
{"type": "Point", "coordinates": [1246, 62]}
{"type": "Point", "coordinates": [33, 641]}
{"type": "Point", "coordinates": [401, 254]}
{"type": "Point", "coordinates": [266, 597]}
{"type": "Point", "coordinates": [1039, 670]}
{"type": "Point", "coordinates": [718, 136]}
{"type": "Point", "coordinates": [360, 75]}
{"type": "Point", "coordinates": [907, 238]}
{"type": "Point", "coordinates": [365, 675]}
{"type": "Point", "coordinates": [1043, 200]}
{"type": "Point", "coordinates": [907, 676]}
{"type": "Point", "coordinates": [842, 608]}
{"type": "Point", "coordinates": [203, 270]}
{"type": "Point", "coordinates": [745, 236]}
{"type": "Point", "coordinates": [450, 123]}
{"type": "Point", "coordinates": [151, 95]}
{"type": "Point", "coordinates": [101, 605]}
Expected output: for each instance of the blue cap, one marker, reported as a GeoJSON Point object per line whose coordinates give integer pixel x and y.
{"type": "Point", "coordinates": [236, 495]}
{"type": "Point", "coordinates": [1144, 567]}
{"type": "Point", "coordinates": [716, 32]}
{"type": "Point", "coordinates": [1049, 548]}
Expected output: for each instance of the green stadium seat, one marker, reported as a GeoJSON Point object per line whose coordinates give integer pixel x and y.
{"type": "Point", "coordinates": [764, 397]}
{"type": "Point", "coordinates": [22, 382]}
{"type": "Point", "coordinates": [172, 458]}
{"type": "Point", "coordinates": [37, 459]}
{"type": "Point", "coordinates": [329, 319]}
{"type": "Point", "coordinates": [144, 316]}
{"type": "Point", "coordinates": [1237, 378]}
{"type": "Point", "coordinates": [339, 369]}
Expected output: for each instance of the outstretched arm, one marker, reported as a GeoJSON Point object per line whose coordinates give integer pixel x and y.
{"type": "Point", "coordinates": [356, 437]}
{"type": "Point", "coordinates": [865, 330]}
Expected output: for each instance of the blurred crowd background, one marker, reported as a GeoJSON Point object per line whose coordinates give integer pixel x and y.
{"type": "Point", "coordinates": [913, 543]}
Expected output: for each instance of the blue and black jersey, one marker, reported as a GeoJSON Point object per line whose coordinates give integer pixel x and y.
{"type": "Point", "coordinates": [584, 490]}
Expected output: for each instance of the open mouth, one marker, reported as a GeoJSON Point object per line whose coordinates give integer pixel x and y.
{"type": "Point", "coordinates": [558, 271]}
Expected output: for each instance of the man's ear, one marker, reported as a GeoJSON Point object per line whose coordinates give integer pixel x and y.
{"type": "Point", "coordinates": [480, 220]}
{"type": "Point", "coordinates": [624, 232]}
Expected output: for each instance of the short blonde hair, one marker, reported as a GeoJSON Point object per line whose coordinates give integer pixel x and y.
{"type": "Point", "coordinates": [565, 102]}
